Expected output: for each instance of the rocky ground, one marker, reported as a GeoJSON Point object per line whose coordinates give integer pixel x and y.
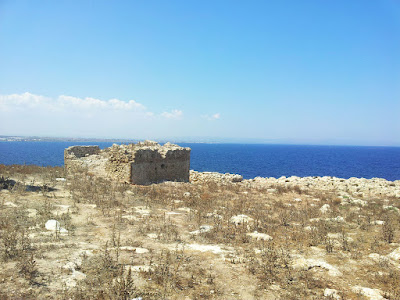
{"type": "Point", "coordinates": [218, 237]}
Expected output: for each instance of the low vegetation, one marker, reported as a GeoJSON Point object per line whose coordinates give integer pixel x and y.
{"type": "Point", "coordinates": [88, 238]}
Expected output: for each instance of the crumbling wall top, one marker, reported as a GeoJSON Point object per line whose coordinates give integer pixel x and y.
{"type": "Point", "coordinates": [144, 150]}
{"type": "Point", "coordinates": [81, 151]}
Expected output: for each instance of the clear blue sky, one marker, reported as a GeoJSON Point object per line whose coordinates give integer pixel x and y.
{"type": "Point", "coordinates": [319, 72]}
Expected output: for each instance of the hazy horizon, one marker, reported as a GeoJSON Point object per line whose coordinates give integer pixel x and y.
{"type": "Point", "coordinates": [188, 140]}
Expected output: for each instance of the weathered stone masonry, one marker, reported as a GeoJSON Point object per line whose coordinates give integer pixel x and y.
{"type": "Point", "coordinates": [142, 163]}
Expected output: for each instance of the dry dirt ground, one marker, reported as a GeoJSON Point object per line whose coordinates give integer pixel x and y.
{"type": "Point", "coordinates": [86, 238]}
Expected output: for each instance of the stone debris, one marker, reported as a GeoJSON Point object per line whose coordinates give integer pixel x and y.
{"type": "Point", "coordinates": [391, 207]}
{"type": "Point", "coordinates": [338, 219]}
{"type": "Point", "coordinates": [372, 294]}
{"type": "Point", "coordinates": [152, 236]}
{"type": "Point", "coordinates": [61, 208]}
{"type": "Point", "coordinates": [309, 263]}
{"type": "Point", "coordinates": [359, 187]}
{"type": "Point", "coordinates": [325, 208]}
{"type": "Point", "coordinates": [142, 210]}
{"type": "Point", "coordinates": [202, 229]}
{"type": "Point", "coordinates": [240, 219]}
{"type": "Point", "coordinates": [214, 215]}
{"type": "Point", "coordinates": [10, 204]}
{"type": "Point", "coordinates": [31, 212]}
{"type": "Point", "coordinates": [201, 177]}
{"type": "Point", "coordinates": [205, 248]}
{"type": "Point", "coordinates": [130, 217]}
{"type": "Point", "coordinates": [332, 294]}
{"type": "Point", "coordinates": [54, 225]}
{"type": "Point", "coordinates": [215, 249]}
{"type": "Point", "coordinates": [185, 209]}
{"type": "Point", "coordinates": [76, 260]}
{"type": "Point", "coordinates": [378, 222]}
{"type": "Point", "coordinates": [395, 255]}
{"type": "Point", "coordinates": [359, 202]}
{"type": "Point", "coordinates": [137, 250]}
{"type": "Point", "coordinates": [72, 280]}
{"type": "Point", "coordinates": [172, 213]}
{"type": "Point", "coordinates": [260, 236]}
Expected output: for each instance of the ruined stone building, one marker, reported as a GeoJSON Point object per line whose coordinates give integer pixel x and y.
{"type": "Point", "coordinates": [142, 163]}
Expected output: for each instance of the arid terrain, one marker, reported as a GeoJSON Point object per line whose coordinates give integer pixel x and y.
{"type": "Point", "coordinates": [217, 237]}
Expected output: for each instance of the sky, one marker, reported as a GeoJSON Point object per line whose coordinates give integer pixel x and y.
{"type": "Point", "coordinates": [302, 72]}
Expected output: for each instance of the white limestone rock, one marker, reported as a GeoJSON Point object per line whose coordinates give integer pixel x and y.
{"type": "Point", "coordinates": [202, 229]}
{"type": "Point", "coordinates": [54, 225]}
{"type": "Point", "coordinates": [332, 293]}
{"type": "Point", "coordinates": [240, 219]}
{"type": "Point", "coordinates": [325, 208]}
{"type": "Point", "coordinates": [260, 236]}
{"type": "Point", "coordinates": [395, 255]}
{"type": "Point", "coordinates": [309, 263]}
{"type": "Point", "coordinates": [372, 294]}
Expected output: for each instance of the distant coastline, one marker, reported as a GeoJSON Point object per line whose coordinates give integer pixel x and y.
{"type": "Point", "coordinates": [188, 140]}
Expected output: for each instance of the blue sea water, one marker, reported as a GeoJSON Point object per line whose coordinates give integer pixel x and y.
{"type": "Point", "coordinates": [249, 160]}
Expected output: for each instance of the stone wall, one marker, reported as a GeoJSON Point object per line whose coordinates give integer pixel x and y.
{"type": "Point", "coordinates": [74, 157]}
{"type": "Point", "coordinates": [153, 165]}
{"type": "Point", "coordinates": [142, 163]}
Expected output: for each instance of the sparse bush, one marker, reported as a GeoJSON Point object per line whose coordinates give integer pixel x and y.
{"type": "Point", "coordinates": [28, 268]}
{"type": "Point", "coordinates": [388, 230]}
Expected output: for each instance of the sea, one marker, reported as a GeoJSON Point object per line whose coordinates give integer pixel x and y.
{"type": "Point", "coordinates": [248, 160]}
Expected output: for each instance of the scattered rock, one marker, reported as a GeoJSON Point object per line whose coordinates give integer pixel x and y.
{"type": "Point", "coordinates": [31, 212]}
{"type": "Point", "coordinates": [378, 222]}
{"type": "Point", "coordinates": [395, 255]}
{"type": "Point", "coordinates": [214, 215]}
{"type": "Point", "coordinates": [205, 248]}
{"type": "Point", "coordinates": [240, 219]}
{"type": "Point", "coordinates": [135, 249]}
{"type": "Point", "coordinates": [359, 202]}
{"type": "Point", "coordinates": [259, 236]}
{"type": "Point", "coordinates": [130, 217]}
{"type": "Point", "coordinates": [185, 209]}
{"type": "Point", "coordinates": [309, 263]}
{"type": "Point", "coordinates": [152, 235]}
{"type": "Point", "coordinates": [142, 210]}
{"type": "Point", "coordinates": [332, 293]}
{"type": "Point", "coordinates": [72, 280]}
{"type": "Point", "coordinates": [338, 219]}
{"type": "Point", "coordinates": [172, 213]}
{"type": "Point", "coordinates": [325, 208]}
{"type": "Point", "coordinates": [200, 177]}
{"type": "Point", "coordinates": [202, 229]}
{"type": "Point", "coordinates": [373, 294]}
{"type": "Point", "coordinates": [54, 225]}
{"type": "Point", "coordinates": [391, 207]}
